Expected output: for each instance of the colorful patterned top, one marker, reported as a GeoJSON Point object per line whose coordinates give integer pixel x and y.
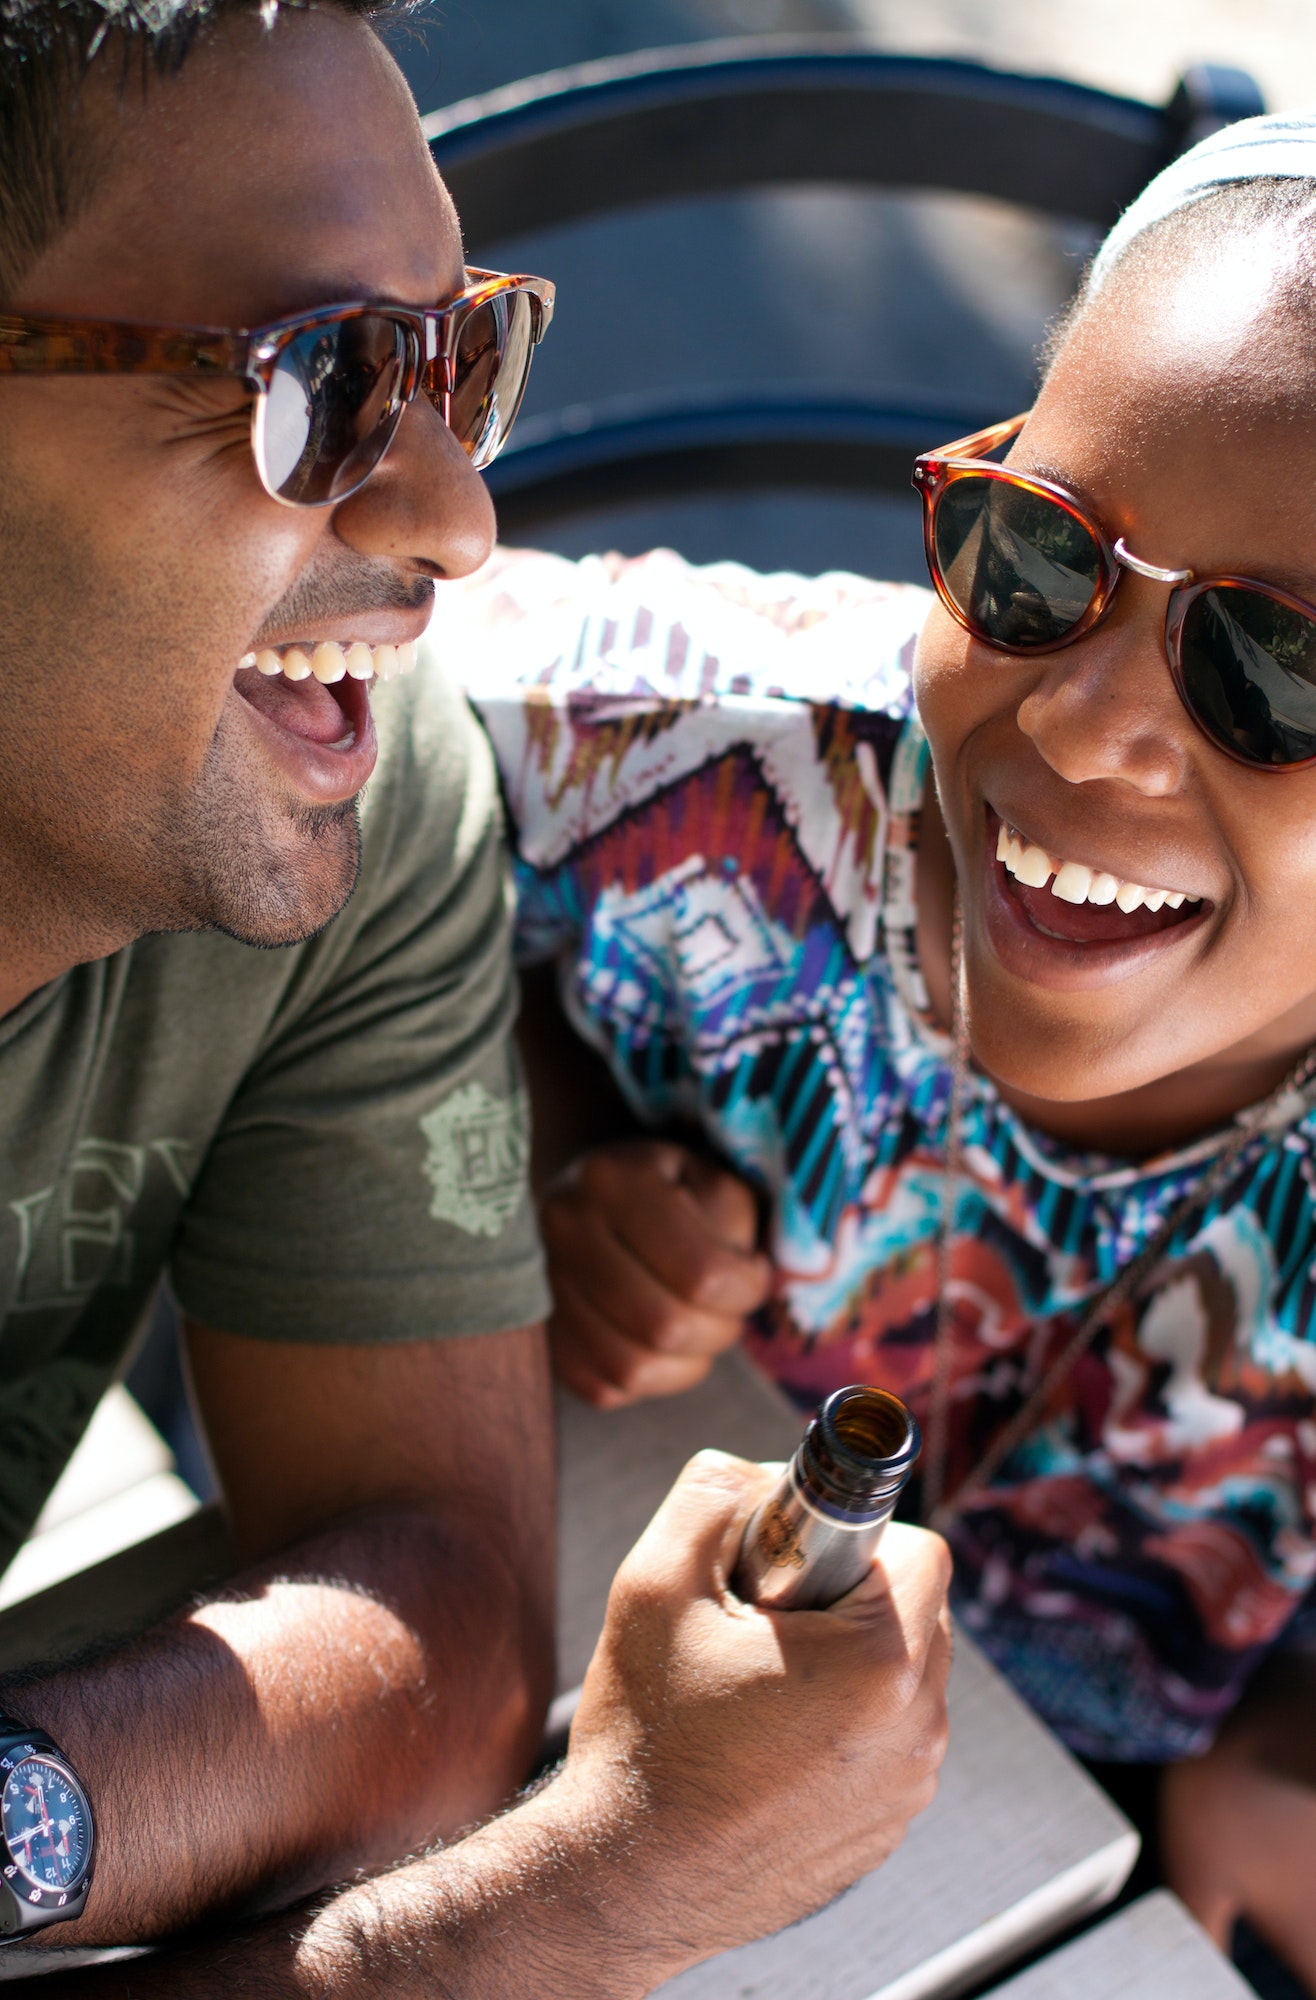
{"type": "Point", "coordinates": [723, 860]}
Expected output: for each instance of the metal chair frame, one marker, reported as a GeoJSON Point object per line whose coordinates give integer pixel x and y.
{"type": "Point", "coordinates": [769, 112]}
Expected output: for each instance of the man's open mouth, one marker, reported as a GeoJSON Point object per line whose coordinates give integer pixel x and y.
{"type": "Point", "coordinates": [1076, 904]}
{"type": "Point", "coordinates": [316, 693]}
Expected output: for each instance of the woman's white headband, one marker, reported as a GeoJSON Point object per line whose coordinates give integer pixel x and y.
{"type": "Point", "coordinates": [1283, 144]}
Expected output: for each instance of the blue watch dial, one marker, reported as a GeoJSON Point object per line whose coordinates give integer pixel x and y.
{"type": "Point", "coordinates": [46, 1824]}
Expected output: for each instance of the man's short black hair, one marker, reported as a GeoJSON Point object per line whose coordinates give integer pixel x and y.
{"type": "Point", "coordinates": [47, 47]}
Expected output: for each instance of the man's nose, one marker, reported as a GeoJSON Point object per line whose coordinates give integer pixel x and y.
{"type": "Point", "coordinates": [425, 508]}
{"type": "Point", "coordinates": [1106, 707]}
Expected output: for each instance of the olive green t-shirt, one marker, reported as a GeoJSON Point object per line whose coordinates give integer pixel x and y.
{"type": "Point", "coordinates": [326, 1143]}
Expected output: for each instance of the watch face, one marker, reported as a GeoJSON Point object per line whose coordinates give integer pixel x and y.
{"type": "Point", "coordinates": [46, 1824]}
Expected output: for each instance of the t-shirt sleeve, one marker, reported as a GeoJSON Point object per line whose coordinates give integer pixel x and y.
{"type": "Point", "coordinates": [369, 1180]}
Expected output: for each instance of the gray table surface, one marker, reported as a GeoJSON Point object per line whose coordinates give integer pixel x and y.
{"type": "Point", "coordinates": [1019, 1842]}
{"type": "Point", "coordinates": [1017, 1846]}
{"type": "Point", "coordinates": [1150, 1951]}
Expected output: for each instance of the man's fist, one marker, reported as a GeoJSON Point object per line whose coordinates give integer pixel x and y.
{"type": "Point", "coordinates": [743, 1766]}
{"type": "Point", "coordinates": [653, 1262]}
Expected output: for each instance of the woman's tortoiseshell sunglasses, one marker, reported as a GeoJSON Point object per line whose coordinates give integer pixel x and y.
{"type": "Point", "coordinates": [331, 385]}
{"type": "Point", "coordinates": [1022, 565]}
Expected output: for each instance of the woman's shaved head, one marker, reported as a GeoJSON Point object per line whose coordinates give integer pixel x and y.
{"type": "Point", "coordinates": [1233, 274]}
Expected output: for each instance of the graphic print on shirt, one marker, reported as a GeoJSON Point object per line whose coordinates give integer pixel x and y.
{"type": "Point", "coordinates": [76, 1234]}
{"type": "Point", "coordinates": [479, 1147]}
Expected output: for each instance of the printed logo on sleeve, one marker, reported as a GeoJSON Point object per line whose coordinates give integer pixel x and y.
{"type": "Point", "coordinates": [479, 1147]}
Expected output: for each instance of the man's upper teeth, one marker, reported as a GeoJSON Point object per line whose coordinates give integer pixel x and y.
{"type": "Point", "coordinates": [1074, 882]}
{"type": "Point", "coordinates": [329, 661]}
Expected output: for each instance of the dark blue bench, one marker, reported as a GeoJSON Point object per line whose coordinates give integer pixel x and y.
{"type": "Point", "coordinates": [726, 116]}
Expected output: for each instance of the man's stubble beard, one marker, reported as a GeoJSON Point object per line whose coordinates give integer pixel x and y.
{"type": "Point", "coordinates": [249, 905]}
{"type": "Point", "coordinates": [226, 854]}
{"type": "Point", "coordinates": [267, 875]}
{"type": "Point", "coordinates": [266, 894]}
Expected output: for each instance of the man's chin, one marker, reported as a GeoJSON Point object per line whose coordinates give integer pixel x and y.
{"type": "Point", "coordinates": [274, 898]}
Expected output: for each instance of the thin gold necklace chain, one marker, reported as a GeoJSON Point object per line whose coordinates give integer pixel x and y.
{"type": "Point", "coordinates": [938, 1511]}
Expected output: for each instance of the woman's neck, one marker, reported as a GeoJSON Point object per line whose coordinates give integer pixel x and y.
{"type": "Point", "coordinates": [1135, 1124]}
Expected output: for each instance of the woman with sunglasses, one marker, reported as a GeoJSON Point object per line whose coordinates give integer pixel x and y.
{"type": "Point", "coordinates": [1014, 1017]}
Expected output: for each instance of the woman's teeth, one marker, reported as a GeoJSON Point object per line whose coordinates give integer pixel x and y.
{"type": "Point", "coordinates": [330, 661]}
{"type": "Point", "coordinates": [1075, 883]}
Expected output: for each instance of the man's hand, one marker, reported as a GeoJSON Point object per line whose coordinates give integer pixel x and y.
{"type": "Point", "coordinates": [653, 1263]}
{"type": "Point", "coordinates": [730, 1770]}
{"type": "Point", "coordinates": [772, 1757]}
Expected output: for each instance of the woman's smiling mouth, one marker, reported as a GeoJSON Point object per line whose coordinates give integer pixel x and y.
{"type": "Point", "coordinates": [1062, 922]}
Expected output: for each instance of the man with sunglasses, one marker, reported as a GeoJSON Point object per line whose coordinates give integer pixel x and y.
{"type": "Point", "coordinates": [254, 1032]}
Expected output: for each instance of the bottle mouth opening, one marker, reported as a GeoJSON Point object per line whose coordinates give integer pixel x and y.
{"type": "Point", "coordinates": [865, 1440]}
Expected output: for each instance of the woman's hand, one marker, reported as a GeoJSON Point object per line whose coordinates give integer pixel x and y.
{"type": "Point", "coordinates": [653, 1261]}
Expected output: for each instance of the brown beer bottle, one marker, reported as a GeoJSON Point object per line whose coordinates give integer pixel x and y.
{"type": "Point", "coordinates": [813, 1538]}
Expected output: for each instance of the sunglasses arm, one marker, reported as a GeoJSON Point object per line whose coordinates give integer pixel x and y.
{"type": "Point", "coordinates": [980, 444]}
{"type": "Point", "coordinates": [34, 346]}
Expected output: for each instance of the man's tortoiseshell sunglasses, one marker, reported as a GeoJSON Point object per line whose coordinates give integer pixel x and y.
{"type": "Point", "coordinates": [1022, 566]}
{"type": "Point", "coordinates": [331, 385]}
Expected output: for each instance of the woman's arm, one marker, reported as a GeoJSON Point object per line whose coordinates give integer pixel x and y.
{"type": "Point", "coordinates": [652, 1243]}
{"type": "Point", "coordinates": [1238, 1826]}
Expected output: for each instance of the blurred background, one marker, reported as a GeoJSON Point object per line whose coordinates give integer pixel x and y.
{"type": "Point", "coordinates": [938, 300]}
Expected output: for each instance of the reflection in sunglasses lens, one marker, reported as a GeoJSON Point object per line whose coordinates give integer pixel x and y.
{"type": "Point", "coordinates": [1248, 670]}
{"type": "Point", "coordinates": [332, 406]}
{"type": "Point", "coordinates": [287, 424]}
{"type": "Point", "coordinates": [494, 349]}
{"type": "Point", "coordinates": [1021, 568]}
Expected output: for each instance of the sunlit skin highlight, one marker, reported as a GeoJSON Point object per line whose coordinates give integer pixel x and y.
{"type": "Point", "coordinates": [1192, 442]}
{"type": "Point", "coordinates": [146, 784]}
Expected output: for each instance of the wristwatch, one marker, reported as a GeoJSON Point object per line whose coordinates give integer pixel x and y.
{"type": "Point", "coordinates": [47, 1835]}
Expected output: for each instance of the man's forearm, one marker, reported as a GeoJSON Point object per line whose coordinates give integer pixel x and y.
{"type": "Point", "coordinates": [667, 1835]}
{"type": "Point", "coordinates": [543, 1902]}
{"type": "Point", "coordinates": [373, 1690]}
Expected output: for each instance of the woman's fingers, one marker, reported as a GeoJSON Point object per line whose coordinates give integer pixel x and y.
{"type": "Point", "coordinates": [601, 1365]}
{"type": "Point", "coordinates": [691, 1225]}
{"type": "Point", "coordinates": [653, 1269]}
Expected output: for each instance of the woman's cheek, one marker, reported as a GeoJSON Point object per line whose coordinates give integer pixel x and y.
{"type": "Point", "coordinates": [958, 695]}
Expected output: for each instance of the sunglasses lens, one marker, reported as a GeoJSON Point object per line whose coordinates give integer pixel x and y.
{"type": "Point", "coordinates": [1247, 667]}
{"type": "Point", "coordinates": [494, 350]}
{"type": "Point", "coordinates": [1019, 568]}
{"type": "Point", "coordinates": [332, 406]}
